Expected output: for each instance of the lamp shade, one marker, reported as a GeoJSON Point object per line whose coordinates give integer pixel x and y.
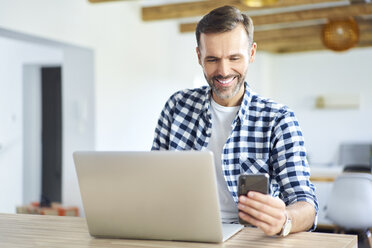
{"type": "Point", "coordinates": [340, 35]}
{"type": "Point", "coordinates": [258, 3]}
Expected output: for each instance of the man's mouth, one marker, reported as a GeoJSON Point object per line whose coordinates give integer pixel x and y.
{"type": "Point", "coordinates": [225, 81]}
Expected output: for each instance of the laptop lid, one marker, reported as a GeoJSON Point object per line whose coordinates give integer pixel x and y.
{"type": "Point", "coordinates": [166, 195]}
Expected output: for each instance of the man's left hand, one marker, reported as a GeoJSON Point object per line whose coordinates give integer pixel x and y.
{"type": "Point", "coordinates": [264, 211]}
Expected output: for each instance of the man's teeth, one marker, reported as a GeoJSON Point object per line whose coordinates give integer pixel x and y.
{"type": "Point", "coordinates": [226, 81]}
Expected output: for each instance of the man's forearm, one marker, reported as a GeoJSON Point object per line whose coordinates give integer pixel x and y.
{"type": "Point", "coordinates": [302, 215]}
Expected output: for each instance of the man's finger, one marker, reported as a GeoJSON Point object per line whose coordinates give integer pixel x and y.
{"type": "Point", "coordinates": [267, 229]}
{"type": "Point", "coordinates": [276, 213]}
{"type": "Point", "coordinates": [266, 199]}
{"type": "Point", "coordinates": [259, 215]}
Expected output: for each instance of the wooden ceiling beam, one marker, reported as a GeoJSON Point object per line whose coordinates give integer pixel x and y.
{"type": "Point", "coordinates": [305, 47]}
{"type": "Point", "coordinates": [286, 40]}
{"type": "Point", "coordinates": [274, 34]}
{"type": "Point", "coordinates": [301, 39]}
{"type": "Point", "coordinates": [298, 16]}
{"type": "Point", "coordinates": [313, 14]}
{"type": "Point", "coordinates": [311, 45]}
{"type": "Point", "coordinates": [314, 30]}
{"type": "Point", "coordinates": [291, 48]}
{"type": "Point", "coordinates": [187, 27]}
{"type": "Point", "coordinates": [199, 8]}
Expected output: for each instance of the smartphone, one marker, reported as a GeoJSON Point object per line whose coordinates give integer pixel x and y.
{"type": "Point", "coordinates": [253, 182]}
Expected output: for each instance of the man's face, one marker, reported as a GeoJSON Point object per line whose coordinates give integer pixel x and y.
{"type": "Point", "coordinates": [225, 58]}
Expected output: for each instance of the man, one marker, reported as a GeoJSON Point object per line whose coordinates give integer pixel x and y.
{"type": "Point", "coordinates": [248, 134]}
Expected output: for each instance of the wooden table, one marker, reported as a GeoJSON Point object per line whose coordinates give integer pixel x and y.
{"type": "Point", "coordinates": [55, 231]}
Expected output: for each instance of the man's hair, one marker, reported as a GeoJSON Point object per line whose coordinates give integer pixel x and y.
{"type": "Point", "coordinates": [224, 19]}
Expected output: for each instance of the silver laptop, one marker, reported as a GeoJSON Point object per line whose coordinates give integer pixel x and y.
{"type": "Point", "coordinates": [164, 195]}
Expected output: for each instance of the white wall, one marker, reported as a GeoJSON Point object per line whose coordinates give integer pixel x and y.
{"type": "Point", "coordinates": [299, 78]}
{"type": "Point", "coordinates": [14, 54]}
{"type": "Point", "coordinates": [32, 132]}
{"type": "Point", "coordinates": [78, 115]}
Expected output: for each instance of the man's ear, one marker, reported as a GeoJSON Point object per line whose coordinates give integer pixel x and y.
{"type": "Point", "coordinates": [199, 56]}
{"type": "Point", "coordinates": [252, 52]}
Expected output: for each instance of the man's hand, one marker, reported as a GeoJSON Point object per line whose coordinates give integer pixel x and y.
{"type": "Point", "coordinates": [264, 211]}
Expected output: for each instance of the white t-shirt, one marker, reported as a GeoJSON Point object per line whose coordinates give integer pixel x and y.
{"type": "Point", "coordinates": [222, 118]}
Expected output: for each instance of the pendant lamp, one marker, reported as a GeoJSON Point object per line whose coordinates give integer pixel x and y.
{"type": "Point", "coordinates": [258, 3]}
{"type": "Point", "coordinates": [340, 35]}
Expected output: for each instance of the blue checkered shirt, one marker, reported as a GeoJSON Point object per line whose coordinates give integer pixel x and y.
{"type": "Point", "coordinates": [265, 138]}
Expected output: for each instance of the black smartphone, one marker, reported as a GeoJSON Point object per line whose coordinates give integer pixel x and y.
{"type": "Point", "coordinates": [253, 182]}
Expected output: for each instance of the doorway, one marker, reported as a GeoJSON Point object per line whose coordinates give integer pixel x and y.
{"type": "Point", "coordinates": [51, 95]}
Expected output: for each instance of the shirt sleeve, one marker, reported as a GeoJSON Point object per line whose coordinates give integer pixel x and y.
{"type": "Point", "coordinates": [163, 127]}
{"type": "Point", "coordinates": [290, 166]}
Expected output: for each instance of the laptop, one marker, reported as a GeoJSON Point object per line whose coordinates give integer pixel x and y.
{"type": "Point", "coordinates": [161, 195]}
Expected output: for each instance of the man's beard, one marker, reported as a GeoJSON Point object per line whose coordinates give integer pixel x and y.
{"type": "Point", "coordinates": [221, 92]}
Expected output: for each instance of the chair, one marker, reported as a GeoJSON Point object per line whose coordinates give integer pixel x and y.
{"type": "Point", "coordinates": [350, 203]}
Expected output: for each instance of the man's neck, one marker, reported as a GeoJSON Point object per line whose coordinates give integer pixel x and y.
{"type": "Point", "coordinates": [230, 102]}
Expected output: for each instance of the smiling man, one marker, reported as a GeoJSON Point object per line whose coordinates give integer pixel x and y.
{"type": "Point", "coordinates": [248, 134]}
{"type": "Point", "coordinates": [225, 58]}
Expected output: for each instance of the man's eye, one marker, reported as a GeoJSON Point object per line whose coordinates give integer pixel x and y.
{"type": "Point", "coordinates": [211, 60]}
{"type": "Point", "coordinates": [234, 58]}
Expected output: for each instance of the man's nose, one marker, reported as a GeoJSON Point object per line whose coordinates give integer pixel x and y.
{"type": "Point", "coordinates": [223, 68]}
